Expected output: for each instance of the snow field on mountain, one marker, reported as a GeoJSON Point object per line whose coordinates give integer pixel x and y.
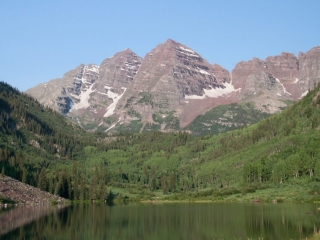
{"type": "Point", "coordinates": [115, 97]}
{"type": "Point", "coordinates": [215, 92]}
{"type": "Point", "coordinates": [84, 99]}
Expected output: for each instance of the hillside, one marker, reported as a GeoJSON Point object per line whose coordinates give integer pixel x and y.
{"type": "Point", "coordinates": [278, 152]}
{"type": "Point", "coordinates": [34, 138]}
{"type": "Point", "coordinates": [225, 118]}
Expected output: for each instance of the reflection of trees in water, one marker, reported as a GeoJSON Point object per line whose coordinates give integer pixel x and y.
{"type": "Point", "coordinates": [174, 221]}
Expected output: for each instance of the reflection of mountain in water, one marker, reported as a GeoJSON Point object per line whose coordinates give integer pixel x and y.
{"type": "Point", "coordinates": [21, 215]}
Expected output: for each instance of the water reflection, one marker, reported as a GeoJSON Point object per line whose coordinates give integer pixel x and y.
{"type": "Point", "coordinates": [174, 221]}
{"type": "Point", "coordinates": [14, 217]}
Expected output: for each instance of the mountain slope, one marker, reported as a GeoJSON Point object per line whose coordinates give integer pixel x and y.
{"type": "Point", "coordinates": [225, 118]}
{"type": "Point", "coordinates": [281, 150]}
{"type": "Point", "coordinates": [34, 138]}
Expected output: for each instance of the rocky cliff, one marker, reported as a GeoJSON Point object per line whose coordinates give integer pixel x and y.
{"type": "Point", "coordinates": [172, 85]}
{"type": "Point", "coordinates": [272, 82]}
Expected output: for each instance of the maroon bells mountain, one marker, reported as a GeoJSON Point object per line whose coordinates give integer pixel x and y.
{"type": "Point", "coordinates": [172, 85]}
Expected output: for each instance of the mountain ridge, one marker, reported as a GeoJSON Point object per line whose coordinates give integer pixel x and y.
{"type": "Point", "coordinates": [175, 82]}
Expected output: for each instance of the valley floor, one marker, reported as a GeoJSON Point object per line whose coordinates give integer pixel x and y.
{"type": "Point", "coordinates": [275, 194]}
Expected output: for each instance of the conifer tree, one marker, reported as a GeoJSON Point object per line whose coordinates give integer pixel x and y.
{"type": "Point", "coordinates": [172, 182]}
{"type": "Point", "coordinates": [164, 184]}
{"type": "Point", "coordinates": [42, 183]}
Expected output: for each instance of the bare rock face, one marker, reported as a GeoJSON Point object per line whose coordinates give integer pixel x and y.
{"type": "Point", "coordinates": [309, 70]}
{"type": "Point", "coordinates": [65, 93]}
{"type": "Point", "coordinates": [171, 86]}
{"type": "Point", "coordinates": [170, 74]}
{"type": "Point", "coordinates": [119, 70]}
{"type": "Point", "coordinates": [291, 77]}
{"type": "Point", "coordinates": [116, 75]}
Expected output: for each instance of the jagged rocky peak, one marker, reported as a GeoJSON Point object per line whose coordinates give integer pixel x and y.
{"type": "Point", "coordinates": [120, 70]}
{"type": "Point", "coordinates": [296, 74]}
{"type": "Point", "coordinates": [284, 66]}
{"type": "Point", "coordinates": [183, 67]}
{"type": "Point", "coordinates": [65, 93]}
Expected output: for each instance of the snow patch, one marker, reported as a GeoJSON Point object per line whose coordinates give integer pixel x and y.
{"type": "Point", "coordinates": [278, 94]}
{"type": "Point", "coordinates": [296, 81]}
{"type": "Point", "coordinates": [284, 89]}
{"type": "Point", "coordinates": [215, 92]}
{"type": "Point", "coordinates": [84, 99]}
{"type": "Point", "coordinates": [79, 123]}
{"type": "Point", "coordinates": [94, 68]}
{"type": "Point", "coordinates": [186, 49]}
{"type": "Point", "coordinates": [189, 54]}
{"type": "Point", "coordinates": [203, 71]}
{"type": "Point", "coordinates": [115, 97]}
{"type": "Point", "coordinates": [304, 94]}
{"type": "Point", "coordinates": [102, 93]}
{"type": "Point", "coordinates": [130, 66]}
{"type": "Point", "coordinates": [113, 125]}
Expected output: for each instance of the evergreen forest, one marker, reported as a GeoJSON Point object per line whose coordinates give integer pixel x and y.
{"type": "Point", "coordinates": [277, 159]}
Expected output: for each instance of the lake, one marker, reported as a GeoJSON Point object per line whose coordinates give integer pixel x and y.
{"type": "Point", "coordinates": [162, 221]}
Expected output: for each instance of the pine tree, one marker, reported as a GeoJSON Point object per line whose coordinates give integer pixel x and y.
{"type": "Point", "coordinates": [82, 190]}
{"type": "Point", "coordinates": [102, 190]}
{"type": "Point", "coordinates": [2, 172]}
{"type": "Point", "coordinates": [164, 184]}
{"type": "Point", "coordinates": [93, 188]}
{"type": "Point", "coordinates": [42, 183]}
{"type": "Point", "coordinates": [172, 182]}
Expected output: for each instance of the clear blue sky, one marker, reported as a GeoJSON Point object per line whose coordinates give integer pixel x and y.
{"type": "Point", "coordinates": [41, 40]}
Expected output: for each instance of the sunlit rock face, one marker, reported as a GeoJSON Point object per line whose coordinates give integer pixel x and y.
{"type": "Point", "coordinates": [171, 76]}
{"type": "Point", "coordinates": [309, 70]}
{"type": "Point", "coordinates": [172, 85]}
{"type": "Point", "coordinates": [277, 79]}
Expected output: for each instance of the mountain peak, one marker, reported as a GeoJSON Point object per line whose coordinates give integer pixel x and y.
{"type": "Point", "coordinates": [127, 50]}
{"type": "Point", "coordinates": [171, 41]}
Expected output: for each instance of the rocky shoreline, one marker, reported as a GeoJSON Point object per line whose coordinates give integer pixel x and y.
{"type": "Point", "coordinates": [21, 193]}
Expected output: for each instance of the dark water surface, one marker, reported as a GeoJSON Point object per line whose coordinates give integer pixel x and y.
{"type": "Point", "coordinates": [163, 221]}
